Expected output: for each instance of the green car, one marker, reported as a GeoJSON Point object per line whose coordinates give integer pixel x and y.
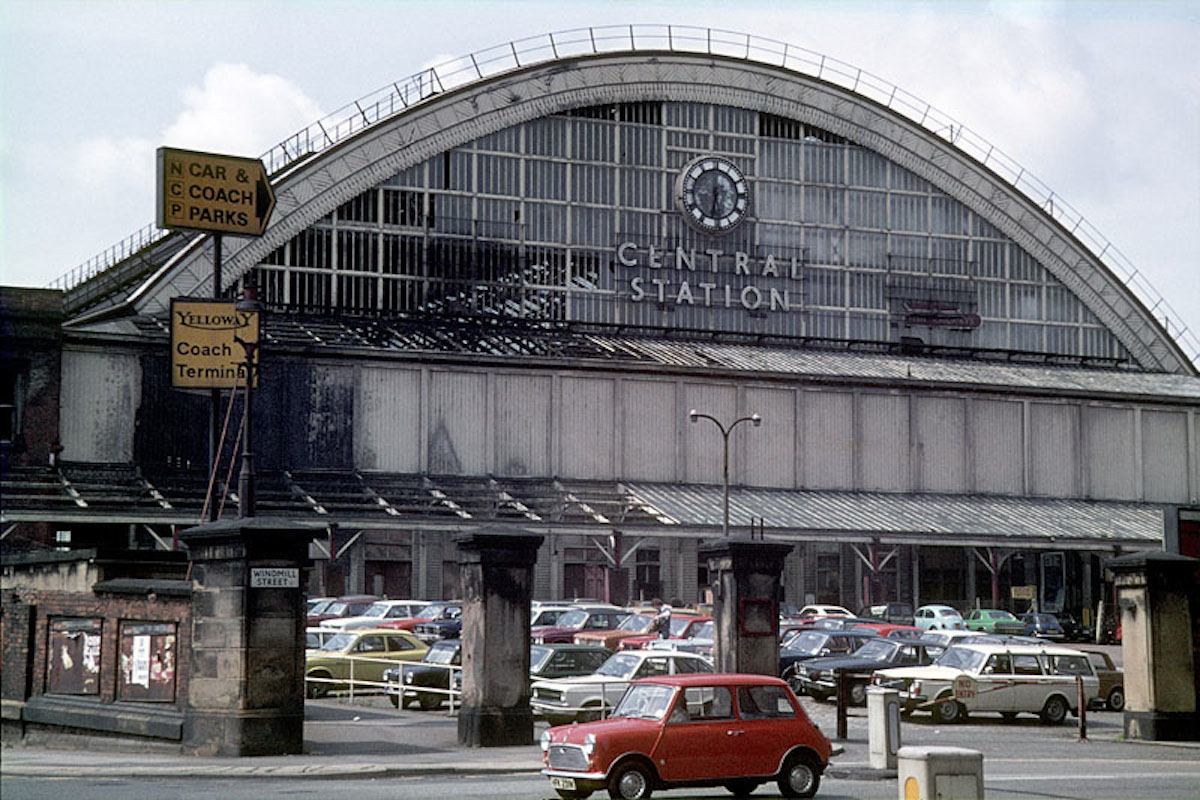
{"type": "Point", "coordinates": [359, 656]}
{"type": "Point", "coordinates": [993, 620]}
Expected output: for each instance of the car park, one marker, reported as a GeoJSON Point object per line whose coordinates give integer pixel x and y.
{"type": "Point", "coordinates": [896, 613]}
{"type": "Point", "coordinates": [808, 644]}
{"type": "Point", "coordinates": [590, 697]}
{"type": "Point", "coordinates": [993, 620]}
{"type": "Point", "coordinates": [1112, 680]}
{"type": "Point", "coordinates": [818, 677]}
{"type": "Point", "coordinates": [1043, 626]}
{"type": "Point", "coordinates": [738, 731]}
{"type": "Point", "coordinates": [995, 678]}
{"type": "Point", "coordinates": [594, 618]}
{"type": "Point", "coordinates": [939, 618]}
{"type": "Point", "coordinates": [358, 658]}
{"type": "Point", "coordinates": [377, 612]}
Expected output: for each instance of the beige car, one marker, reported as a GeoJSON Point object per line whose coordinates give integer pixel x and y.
{"type": "Point", "coordinates": [358, 658]}
{"type": "Point", "coordinates": [995, 678]}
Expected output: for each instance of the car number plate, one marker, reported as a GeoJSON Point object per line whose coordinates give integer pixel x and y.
{"type": "Point", "coordinates": [562, 783]}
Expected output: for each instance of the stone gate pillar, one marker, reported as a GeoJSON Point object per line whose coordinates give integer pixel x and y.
{"type": "Point", "coordinates": [246, 685]}
{"type": "Point", "coordinates": [496, 570]}
{"type": "Point", "coordinates": [745, 575]}
{"type": "Point", "coordinates": [1155, 594]}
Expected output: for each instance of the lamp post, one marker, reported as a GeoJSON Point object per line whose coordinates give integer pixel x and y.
{"type": "Point", "coordinates": [755, 420]}
{"type": "Point", "coordinates": [248, 305]}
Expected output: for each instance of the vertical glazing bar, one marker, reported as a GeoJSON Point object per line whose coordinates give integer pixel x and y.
{"type": "Point", "coordinates": [553, 46]}
{"type": "Point", "coordinates": [516, 57]}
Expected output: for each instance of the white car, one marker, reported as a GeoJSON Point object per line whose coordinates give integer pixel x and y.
{"type": "Point", "coordinates": [590, 697]}
{"type": "Point", "coordinates": [825, 611]}
{"type": "Point", "coordinates": [996, 678]}
{"type": "Point", "coordinates": [939, 618]}
{"type": "Point", "coordinates": [377, 612]}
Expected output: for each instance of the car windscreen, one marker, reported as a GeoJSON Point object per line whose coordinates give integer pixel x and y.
{"type": "Point", "coordinates": [808, 642]}
{"type": "Point", "coordinates": [376, 610]}
{"type": "Point", "coordinates": [320, 607]}
{"type": "Point", "coordinates": [338, 643]}
{"type": "Point", "coordinates": [679, 625]}
{"type": "Point", "coordinates": [961, 658]}
{"type": "Point", "coordinates": [638, 623]}
{"type": "Point", "coordinates": [875, 648]}
{"type": "Point", "coordinates": [336, 608]}
{"type": "Point", "coordinates": [705, 631]}
{"type": "Point", "coordinates": [538, 656]}
{"type": "Point", "coordinates": [442, 654]}
{"type": "Point", "coordinates": [619, 665]}
{"type": "Point", "coordinates": [572, 619]}
{"type": "Point", "coordinates": [644, 701]}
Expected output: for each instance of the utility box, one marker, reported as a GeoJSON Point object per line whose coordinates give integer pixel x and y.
{"type": "Point", "coordinates": [940, 773]}
{"type": "Point", "coordinates": [883, 727]}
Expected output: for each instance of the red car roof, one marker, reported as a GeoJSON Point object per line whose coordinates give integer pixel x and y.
{"type": "Point", "coordinates": [709, 678]}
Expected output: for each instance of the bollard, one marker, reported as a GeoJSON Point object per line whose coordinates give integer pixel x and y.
{"type": "Point", "coordinates": [883, 727]}
{"type": "Point", "coordinates": [1081, 699]}
{"type": "Point", "coordinates": [843, 699]}
{"type": "Point", "coordinates": [933, 773]}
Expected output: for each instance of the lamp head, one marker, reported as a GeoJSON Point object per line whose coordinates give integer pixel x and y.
{"type": "Point", "coordinates": [755, 420]}
{"type": "Point", "coordinates": [694, 415]}
{"type": "Point", "coordinates": [249, 300]}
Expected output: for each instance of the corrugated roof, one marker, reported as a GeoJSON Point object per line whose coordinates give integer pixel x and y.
{"type": "Point", "coordinates": [914, 518]}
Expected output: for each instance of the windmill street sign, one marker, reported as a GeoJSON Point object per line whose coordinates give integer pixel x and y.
{"type": "Point", "coordinates": [212, 192]}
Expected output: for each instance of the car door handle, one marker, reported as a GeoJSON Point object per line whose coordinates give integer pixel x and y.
{"type": "Point", "coordinates": [734, 733]}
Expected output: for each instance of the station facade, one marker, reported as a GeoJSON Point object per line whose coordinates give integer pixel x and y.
{"type": "Point", "coordinates": [495, 304]}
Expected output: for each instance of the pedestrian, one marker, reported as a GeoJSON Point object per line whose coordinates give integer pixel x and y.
{"type": "Point", "coordinates": [662, 622]}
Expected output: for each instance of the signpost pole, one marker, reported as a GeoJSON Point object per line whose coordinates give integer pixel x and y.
{"type": "Point", "coordinates": [214, 417]}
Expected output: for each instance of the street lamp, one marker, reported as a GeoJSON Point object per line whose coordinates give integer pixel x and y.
{"type": "Point", "coordinates": [755, 420]}
{"type": "Point", "coordinates": [248, 305]}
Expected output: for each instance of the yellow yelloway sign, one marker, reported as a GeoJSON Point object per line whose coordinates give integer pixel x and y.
{"type": "Point", "coordinates": [213, 192]}
{"type": "Point", "coordinates": [209, 344]}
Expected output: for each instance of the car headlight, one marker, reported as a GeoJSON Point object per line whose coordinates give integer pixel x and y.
{"type": "Point", "coordinates": [589, 744]}
{"type": "Point", "coordinates": [408, 677]}
{"type": "Point", "coordinates": [545, 741]}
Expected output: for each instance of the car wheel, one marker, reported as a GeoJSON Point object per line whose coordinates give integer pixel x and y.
{"type": "Point", "coordinates": [858, 694]}
{"type": "Point", "coordinates": [947, 710]}
{"type": "Point", "coordinates": [590, 715]}
{"type": "Point", "coordinates": [395, 698]}
{"type": "Point", "coordinates": [428, 702]}
{"type": "Point", "coordinates": [741, 788]}
{"type": "Point", "coordinates": [573, 794]}
{"type": "Point", "coordinates": [315, 689]}
{"type": "Point", "coordinates": [800, 776]}
{"type": "Point", "coordinates": [797, 687]}
{"type": "Point", "coordinates": [820, 697]}
{"type": "Point", "coordinates": [1116, 699]}
{"type": "Point", "coordinates": [631, 781]}
{"type": "Point", "coordinates": [1055, 710]}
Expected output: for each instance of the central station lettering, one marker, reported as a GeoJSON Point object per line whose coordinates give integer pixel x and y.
{"type": "Point", "coordinates": [695, 283]}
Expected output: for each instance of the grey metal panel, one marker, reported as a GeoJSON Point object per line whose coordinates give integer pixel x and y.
{"type": "Point", "coordinates": [997, 446]}
{"type": "Point", "coordinates": [935, 519]}
{"type": "Point", "coordinates": [827, 439]}
{"type": "Point", "coordinates": [770, 449]}
{"type": "Point", "coordinates": [99, 403]}
{"type": "Point", "coordinates": [457, 417]}
{"type": "Point", "coordinates": [387, 419]}
{"type": "Point", "coordinates": [882, 442]}
{"type": "Point", "coordinates": [647, 412]}
{"type": "Point", "coordinates": [702, 443]}
{"type": "Point", "coordinates": [1054, 450]}
{"type": "Point", "coordinates": [522, 419]}
{"type": "Point", "coordinates": [585, 419]}
{"type": "Point", "coordinates": [1164, 456]}
{"type": "Point", "coordinates": [1110, 453]}
{"type": "Point", "coordinates": [322, 405]}
{"type": "Point", "coordinates": [939, 444]}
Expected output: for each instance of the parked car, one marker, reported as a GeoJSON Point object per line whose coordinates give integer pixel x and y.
{"type": "Point", "coordinates": [895, 613]}
{"type": "Point", "coordinates": [818, 677]}
{"type": "Point", "coordinates": [547, 661]}
{"type": "Point", "coordinates": [595, 618]}
{"type": "Point", "coordinates": [994, 620]}
{"type": "Point", "coordinates": [427, 684]}
{"type": "Point", "coordinates": [824, 611]}
{"type": "Point", "coordinates": [377, 612]}
{"type": "Point", "coordinates": [445, 609]}
{"type": "Point", "coordinates": [947, 638]}
{"type": "Point", "coordinates": [446, 626]}
{"type": "Point", "coordinates": [589, 697]}
{"type": "Point", "coordinates": [809, 644]}
{"type": "Point", "coordinates": [682, 627]}
{"type": "Point", "coordinates": [361, 656]}
{"type": "Point", "coordinates": [699, 642]}
{"type": "Point", "coordinates": [316, 636]}
{"type": "Point", "coordinates": [996, 678]}
{"type": "Point", "coordinates": [546, 614]}
{"type": "Point", "coordinates": [350, 605]}
{"type": "Point", "coordinates": [736, 731]}
{"type": "Point", "coordinates": [1043, 626]}
{"type": "Point", "coordinates": [939, 618]}
{"type": "Point", "coordinates": [1112, 680]}
{"type": "Point", "coordinates": [312, 603]}
{"type": "Point", "coordinates": [633, 625]}
{"type": "Point", "coordinates": [889, 629]}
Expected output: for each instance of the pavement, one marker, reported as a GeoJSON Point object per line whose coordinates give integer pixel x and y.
{"type": "Point", "coordinates": [367, 738]}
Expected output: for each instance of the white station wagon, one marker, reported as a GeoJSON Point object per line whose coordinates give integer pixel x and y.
{"type": "Point", "coordinates": [996, 678]}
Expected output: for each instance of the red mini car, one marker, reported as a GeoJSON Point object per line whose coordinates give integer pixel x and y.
{"type": "Point", "coordinates": [731, 730]}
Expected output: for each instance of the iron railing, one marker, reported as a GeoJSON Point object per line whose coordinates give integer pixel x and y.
{"type": "Point", "coordinates": [398, 96]}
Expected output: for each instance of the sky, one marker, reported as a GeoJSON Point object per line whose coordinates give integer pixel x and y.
{"type": "Point", "coordinates": [1100, 101]}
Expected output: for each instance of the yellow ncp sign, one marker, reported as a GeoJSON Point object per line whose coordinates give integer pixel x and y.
{"type": "Point", "coordinates": [205, 351]}
{"type": "Point", "coordinates": [212, 192]}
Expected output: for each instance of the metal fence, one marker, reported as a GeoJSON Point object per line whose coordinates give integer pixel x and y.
{"type": "Point", "coordinates": [398, 96]}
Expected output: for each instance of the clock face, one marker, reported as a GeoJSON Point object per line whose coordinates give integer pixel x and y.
{"type": "Point", "coordinates": [713, 194]}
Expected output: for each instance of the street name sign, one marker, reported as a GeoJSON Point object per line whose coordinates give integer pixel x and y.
{"type": "Point", "coordinates": [212, 192]}
{"type": "Point", "coordinates": [205, 349]}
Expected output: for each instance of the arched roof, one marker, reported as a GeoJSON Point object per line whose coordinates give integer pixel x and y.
{"type": "Point", "coordinates": [314, 186]}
